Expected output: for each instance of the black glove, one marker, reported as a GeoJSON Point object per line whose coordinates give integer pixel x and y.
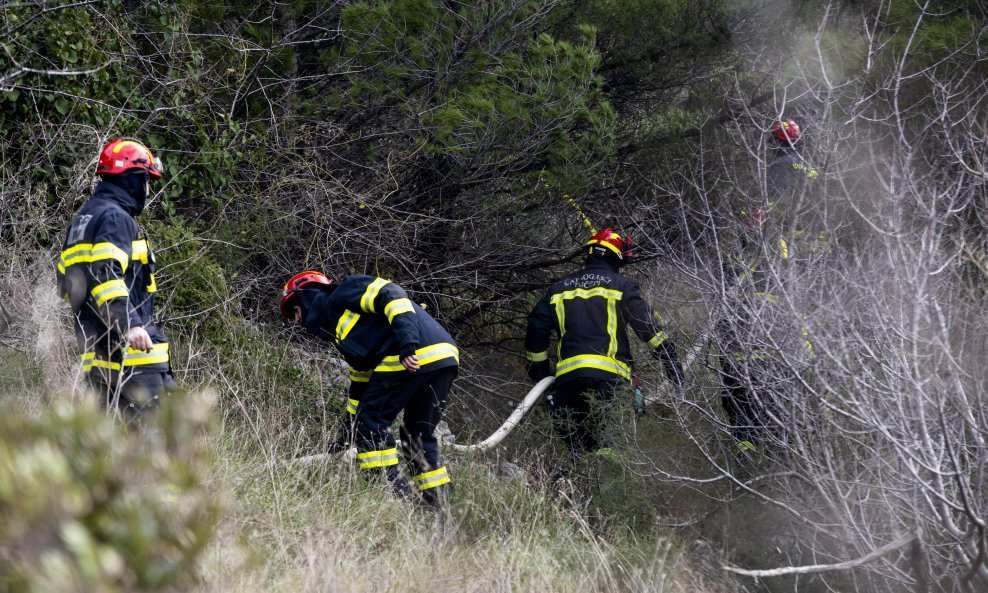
{"type": "Point", "coordinates": [674, 369]}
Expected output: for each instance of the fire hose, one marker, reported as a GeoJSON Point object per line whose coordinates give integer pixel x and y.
{"type": "Point", "coordinates": [516, 416]}
{"type": "Point", "coordinates": [513, 420]}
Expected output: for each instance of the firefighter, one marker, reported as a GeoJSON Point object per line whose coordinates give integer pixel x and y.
{"type": "Point", "coordinates": [745, 331]}
{"type": "Point", "coordinates": [589, 311]}
{"type": "Point", "coordinates": [106, 273]}
{"type": "Point", "coordinates": [754, 326]}
{"type": "Point", "coordinates": [787, 165]}
{"type": "Point", "coordinates": [400, 359]}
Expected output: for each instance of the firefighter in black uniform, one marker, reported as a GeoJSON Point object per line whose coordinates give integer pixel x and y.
{"type": "Point", "coordinates": [106, 273]}
{"type": "Point", "coordinates": [753, 325]}
{"type": "Point", "coordinates": [400, 359]}
{"type": "Point", "coordinates": [589, 311]}
{"type": "Point", "coordinates": [787, 166]}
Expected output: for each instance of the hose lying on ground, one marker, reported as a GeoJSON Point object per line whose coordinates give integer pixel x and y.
{"type": "Point", "coordinates": [499, 435]}
{"type": "Point", "coordinates": [513, 420]}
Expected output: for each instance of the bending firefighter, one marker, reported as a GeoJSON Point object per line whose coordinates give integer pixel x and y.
{"type": "Point", "coordinates": [589, 311]}
{"type": "Point", "coordinates": [106, 273]}
{"type": "Point", "coordinates": [400, 359]}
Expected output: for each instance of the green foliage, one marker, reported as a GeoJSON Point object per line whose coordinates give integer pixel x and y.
{"type": "Point", "coordinates": [190, 279]}
{"type": "Point", "coordinates": [473, 88]}
{"type": "Point", "coordinates": [87, 504]}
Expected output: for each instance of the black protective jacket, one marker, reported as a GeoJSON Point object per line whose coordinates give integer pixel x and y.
{"type": "Point", "coordinates": [785, 172]}
{"type": "Point", "coordinates": [374, 325]}
{"type": "Point", "coordinates": [589, 311]}
{"type": "Point", "coordinates": [106, 273]}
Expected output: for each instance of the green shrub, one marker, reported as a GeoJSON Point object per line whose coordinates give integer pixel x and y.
{"type": "Point", "coordinates": [88, 504]}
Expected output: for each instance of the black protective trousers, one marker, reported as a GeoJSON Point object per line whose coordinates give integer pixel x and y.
{"type": "Point", "coordinates": [133, 394]}
{"type": "Point", "coordinates": [422, 396]}
{"type": "Point", "coordinates": [576, 418]}
{"type": "Point", "coordinates": [747, 401]}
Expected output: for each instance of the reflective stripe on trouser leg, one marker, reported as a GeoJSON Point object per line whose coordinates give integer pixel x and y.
{"type": "Point", "coordinates": [429, 480]}
{"type": "Point", "coordinates": [379, 458]}
{"type": "Point", "coordinates": [351, 406]}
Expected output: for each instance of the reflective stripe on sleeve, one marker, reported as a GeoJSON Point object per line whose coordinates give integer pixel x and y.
{"type": "Point", "coordinates": [367, 300]}
{"type": "Point", "coordinates": [139, 251]}
{"type": "Point", "coordinates": [381, 458]}
{"type": "Point", "coordinates": [431, 479]}
{"type": "Point", "coordinates": [593, 361]}
{"type": "Point", "coordinates": [111, 289]}
{"type": "Point", "coordinates": [84, 253]}
{"type": "Point", "coordinates": [351, 406]}
{"type": "Point", "coordinates": [427, 355]}
{"type": "Point", "coordinates": [397, 307]}
{"type": "Point", "coordinates": [657, 340]}
{"type": "Point", "coordinates": [360, 376]}
{"type": "Point", "coordinates": [345, 324]}
{"type": "Point", "coordinates": [537, 356]}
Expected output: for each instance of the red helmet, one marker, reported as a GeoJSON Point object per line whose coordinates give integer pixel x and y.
{"type": "Point", "coordinates": [299, 281]}
{"type": "Point", "coordinates": [607, 242]}
{"type": "Point", "coordinates": [786, 131]}
{"type": "Point", "coordinates": [126, 154]}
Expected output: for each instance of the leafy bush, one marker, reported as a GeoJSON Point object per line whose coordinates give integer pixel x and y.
{"type": "Point", "coordinates": [88, 504]}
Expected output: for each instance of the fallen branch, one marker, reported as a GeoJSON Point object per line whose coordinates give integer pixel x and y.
{"type": "Point", "coordinates": [814, 568]}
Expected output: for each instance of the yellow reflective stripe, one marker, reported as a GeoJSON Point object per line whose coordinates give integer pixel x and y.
{"type": "Point", "coordinates": [561, 318]}
{"type": "Point", "coordinates": [90, 362]}
{"type": "Point", "coordinates": [367, 300]}
{"type": "Point", "coordinates": [157, 355]}
{"type": "Point", "coordinates": [153, 286]}
{"type": "Point", "coordinates": [345, 324]}
{"type": "Point", "coordinates": [84, 253]}
{"type": "Point", "coordinates": [783, 249]}
{"type": "Point", "coordinates": [537, 356]}
{"type": "Point", "coordinates": [428, 480]}
{"type": "Point", "coordinates": [381, 458]}
{"type": "Point", "coordinates": [427, 355]}
{"type": "Point", "coordinates": [612, 328]}
{"type": "Point", "coordinates": [605, 244]}
{"type": "Point", "coordinates": [657, 340]}
{"type": "Point", "coordinates": [744, 446]}
{"type": "Point", "coordinates": [806, 341]}
{"type": "Point", "coordinates": [61, 268]}
{"type": "Point", "coordinates": [351, 406]}
{"type": "Point", "coordinates": [139, 250]}
{"type": "Point", "coordinates": [103, 251]}
{"type": "Point", "coordinates": [397, 307]}
{"type": "Point", "coordinates": [593, 361]}
{"type": "Point", "coordinates": [360, 376]}
{"type": "Point", "coordinates": [768, 296]}
{"type": "Point", "coordinates": [111, 289]}
{"type": "Point", "coordinates": [586, 293]}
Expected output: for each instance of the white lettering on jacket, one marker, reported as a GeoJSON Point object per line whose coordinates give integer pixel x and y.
{"type": "Point", "coordinates": [588, 280]}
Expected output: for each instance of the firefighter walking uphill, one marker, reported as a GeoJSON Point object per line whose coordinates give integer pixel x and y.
{"type": "Point", "coordinates": [106, 273]}
{"type": "Point", "coordinates": [589, 311]}
{"type": "Point", "coordinates": [400, 358]}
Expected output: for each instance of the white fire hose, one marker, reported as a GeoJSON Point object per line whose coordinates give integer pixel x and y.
{"type": "Point", "coordinates": [509, 425]}
{"type": "Point", "coordinates": [499, 435]}
{"type": "Point", "coordinates": [513, 420]}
